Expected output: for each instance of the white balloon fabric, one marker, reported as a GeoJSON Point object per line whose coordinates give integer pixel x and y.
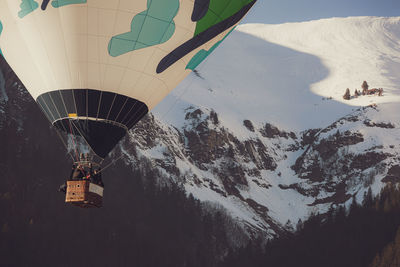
{"type": "Point", "coordinates": [105, 63]}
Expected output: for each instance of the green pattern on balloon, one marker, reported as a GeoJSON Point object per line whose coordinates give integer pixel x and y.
{"type": "Point", "coordinates": [151, 27]}
{"type": "Point", "coordinates": [27, 7]}
{"type": "Point", "coordinates": [60, 3]}
{"type": "Point", "coordinates": [218, 11]}
{"type": "Point", "coordinates": [220, 15]}
{"type": "Point", "coordinates": [203, 54]}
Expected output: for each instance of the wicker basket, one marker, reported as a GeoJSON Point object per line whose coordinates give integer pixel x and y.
{"type": "Point", "coordinates": [84, 194]}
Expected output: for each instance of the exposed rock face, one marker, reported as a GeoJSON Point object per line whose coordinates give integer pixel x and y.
{"type": "Point", "coordinates": [330, 146]}
{"type": "Point", "coordinates": [385, 125]}
{"type": "Point", "coordinates": [329, 165]}
{"type": "Point", "coordinates": [271, 131]}
{"type": "Point", "coordinates": [208, 147]}
{"type": "Point", "coordinates": [249, 125]}
{"type": "Point", "coordinates": [344, 162]}
{"type": "Point", "coordinates": [367, 160]}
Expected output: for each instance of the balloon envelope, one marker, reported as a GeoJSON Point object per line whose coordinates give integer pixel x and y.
{"type": "Point", "coordinates": [103, 64]}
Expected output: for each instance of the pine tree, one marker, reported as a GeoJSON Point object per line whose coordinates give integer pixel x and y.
{"type": "Point", "coordinates": [368, 200]}
{"type": "Point", "coordinates": [354, 206]}
{"type": "Point", "coordinates": [364, 86]}
{"type": "Point", "coordinates": [346, 95]}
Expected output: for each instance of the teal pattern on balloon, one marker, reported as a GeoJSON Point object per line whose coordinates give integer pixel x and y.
{"type": "Point", "coordinates": [203, 54]}
{"type": "Point", "coordinates": [60, 3]}
{"type": "Point", "coordinates": [151, 27]}
{"type": "Point", "coordinates": [27, 7]}
{"type": "Point", "coordinates": [1, 30]}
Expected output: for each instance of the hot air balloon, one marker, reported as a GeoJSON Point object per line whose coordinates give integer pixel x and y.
{"type": "Point", "coordinates": [96, 67]}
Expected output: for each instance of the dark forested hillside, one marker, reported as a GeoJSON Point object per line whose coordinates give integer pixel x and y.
{"type": "Point", "coordinates": [340, 238]}
{"type": "Point", "coordinates": [390, 256]}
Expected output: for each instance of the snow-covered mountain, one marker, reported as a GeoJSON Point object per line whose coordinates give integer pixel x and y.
{"type": "Point", "coordinates": [262, 128]}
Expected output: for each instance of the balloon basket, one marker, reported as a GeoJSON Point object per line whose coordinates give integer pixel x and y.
{"type": "Point", "coordinates": [84, 194]}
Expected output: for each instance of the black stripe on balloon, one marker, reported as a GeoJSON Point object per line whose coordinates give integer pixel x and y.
{"type": "Point", "coordinates": [201, 39]}
{"type": "Point", "coordinates": [200, 9]}
{"type": "Point", "coordinates": [44, 4]}
{"type": "Point", "coordinates": [92, 103]}
{"type": "Point", "coordinates": [119, 111]}
{"type": "Point", "coordinates": [80, 102]}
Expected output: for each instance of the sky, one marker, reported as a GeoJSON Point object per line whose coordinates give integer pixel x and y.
{"type": "Point", "coordinates": [281, 11]}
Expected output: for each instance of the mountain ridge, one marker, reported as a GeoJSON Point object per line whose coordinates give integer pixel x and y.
{"type": "Point", "coordinates": [226, 118]}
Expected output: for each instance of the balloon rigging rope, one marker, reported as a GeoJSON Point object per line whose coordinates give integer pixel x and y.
{"type": "Point", "coordinates": [65, 145]}
{"type": "Point", "coordinates": [59, 135]}
{"type": "Point", "coordinates": [113, 162]}
{"type": "Point", "coordinates": [73, 141]}
{"type": "Point", "coordinates": [71, 123]}
{"type": "Point", "coordinates": [80, 133]}
{"type": "Point", "coordinates": [90, 147]}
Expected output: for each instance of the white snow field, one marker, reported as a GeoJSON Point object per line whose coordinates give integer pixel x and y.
{"type": "Point", "coordinates": [281, 73]}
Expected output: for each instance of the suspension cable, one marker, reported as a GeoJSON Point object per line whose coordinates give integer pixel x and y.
{"type": "Point", "coordinates": [113, 162]}
{"type": "Point", "coordinates": [65, 145]}
{"type": "Point", "coordinates": [73, 141]}
{"type": "Point", "coordinates": [80, 133]}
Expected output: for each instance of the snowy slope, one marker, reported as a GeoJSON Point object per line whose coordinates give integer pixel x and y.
{"type": "Point", "coordinates": [280, 73]}
{"type": "Point", "coordinates": [353, 50]}
{"type": "Point", "coordinates": [285, 80]}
